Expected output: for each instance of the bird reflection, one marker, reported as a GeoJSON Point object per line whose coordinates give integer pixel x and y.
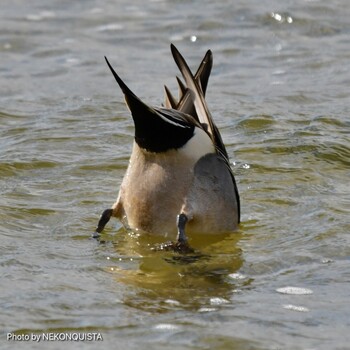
{"type": "Point", "coordinates": [160, 280]}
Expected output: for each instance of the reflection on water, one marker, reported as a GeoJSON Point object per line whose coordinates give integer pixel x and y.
{"type": "Point", "coordinates": [279, 94]}
{"type": "Point", "coordinates": [162, 280]}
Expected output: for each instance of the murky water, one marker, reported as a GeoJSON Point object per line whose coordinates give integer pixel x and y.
{"type": "Point", "coordinates": [280, 95]}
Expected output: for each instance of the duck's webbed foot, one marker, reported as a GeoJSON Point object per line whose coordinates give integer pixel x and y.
{"type": "Point", "coordinates": [106, 215]}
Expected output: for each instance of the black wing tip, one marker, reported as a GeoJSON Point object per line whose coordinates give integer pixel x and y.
{"type": "Point", "coordinates": [174, 50]}
{"type": "Point", "coordinates": [209, 55]}
{"type": "Point", "coordinates": [123, 86]}
{"type": "Point", "coordinates": [110, 67]}
{"type": "Point", "coordinates": [116, 76]}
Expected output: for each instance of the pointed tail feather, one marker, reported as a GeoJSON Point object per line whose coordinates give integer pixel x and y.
{"type": "Point", "coordinates": [170, 100]}
{"type": "Point", "coordinates": [200, 104]}
{"type": "Point", "coordinates": [131, 99]}
{"type": "Point", "coordinates": [204, 70]}
{"type": "Point", "coordinates": [182, 87]}
{"type": "Point", "coordinates": [202, 78]}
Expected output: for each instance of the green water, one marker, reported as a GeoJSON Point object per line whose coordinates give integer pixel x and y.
{"type": "Point", "coordinates": [279, 94]}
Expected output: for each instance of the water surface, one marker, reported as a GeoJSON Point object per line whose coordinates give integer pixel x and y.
{"type": "Point", "coordinates": [279, 93]}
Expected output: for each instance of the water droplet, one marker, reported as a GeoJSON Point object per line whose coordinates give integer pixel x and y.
{"type": "Point", "coordinates": [327, 261]}
{"type": "Point", "coordinates": [72, 60]}
{"type": "Point", "coordinates": [237, 276]}
{"type": "Point", "coordinates": [207, 309]}
{"type": "Point", "coordinates": [276, 16]}
{"type": "Point", "coordinates": [294, 290]}
{"type": "Point", "coordinates": [296, 308]}
{"type": "Point", "coordinates": [278, 72]}
{"type": "Point", "coordinates": [109, 27]}
{"type": "Point", "coordinates": [165, 326]}
{"type": "Point", "coordinates": [218, 301]}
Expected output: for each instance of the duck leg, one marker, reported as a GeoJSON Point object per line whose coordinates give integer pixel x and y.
{"type": "Point", "coordinates": [182, 245]}
{"type": "Point", "coordinates": [106, 215]}
{"type": "Point", "coordinates": [181, 223]}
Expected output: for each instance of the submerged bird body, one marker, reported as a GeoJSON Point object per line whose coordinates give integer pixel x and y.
{"type": "Point", "coordinates": [179, 178]}
{"type": "Point", "coordinates": [153, 190]}
{"type": "Point", "coordinates": [156, 188]}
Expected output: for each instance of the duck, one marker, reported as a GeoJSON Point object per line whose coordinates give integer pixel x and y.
{"type": "Point", "coordinates": [179, 180]}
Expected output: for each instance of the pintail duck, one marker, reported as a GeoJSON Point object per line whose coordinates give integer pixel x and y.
{"type": "Point", "coordinates": [179, 180]}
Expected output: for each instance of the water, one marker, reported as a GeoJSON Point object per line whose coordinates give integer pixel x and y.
{"type": "Point", "coordinates": [280, 95]}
